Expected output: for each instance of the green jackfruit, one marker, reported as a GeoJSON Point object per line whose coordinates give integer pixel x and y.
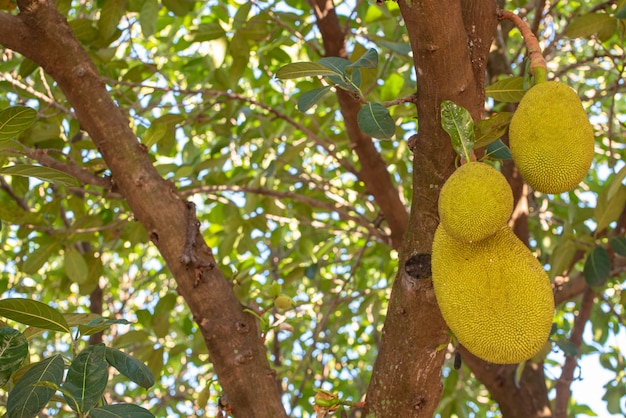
{"type": "Point", "coordinates": [551, 139]}
{"type": "Point", "coordinates": [475, 202]}
{"type": "Point", "coordinates": [494, 295]}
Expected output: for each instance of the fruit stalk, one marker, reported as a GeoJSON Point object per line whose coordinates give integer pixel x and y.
{"type": "Point", "coordinates": [538, 66]}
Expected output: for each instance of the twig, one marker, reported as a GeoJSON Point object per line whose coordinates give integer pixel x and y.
{"type": "Point", "coordinates": [72, 231]}
{"type": "Point", "coordinates": [7, 188]}
{"type": "Point", "coordinates": [538, 66]}
{"type": "Point", "coordinates": [324, 143]}
{"type": "Point", "coordinates": [322, 325]}
{"type": "Point", "coordinates": [343, 214]}
{"type": "Point", "coordinates": [408, 99]}
{"type": "Point", "coordinates": [17, 83]}
{"type": "Point", "coordinates": [563, 390]}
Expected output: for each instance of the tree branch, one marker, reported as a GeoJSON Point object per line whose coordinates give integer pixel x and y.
{"type": "Point", "coordinates": [450, 64]}
{"type": "Point", "coordinates": [563, 391]}
{"type": "Point", "coordinates": [232, 337]}
{"type": "Point", "coordinates": [343, 214]}
{"type": "Point", "coordinates": [373, 170]}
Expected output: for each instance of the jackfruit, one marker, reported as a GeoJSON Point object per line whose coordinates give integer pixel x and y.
{"type": "Point", "coordinates": [551, 139]}
{"type": "Point", "coordinates": [493, 294]}
{"type": "Point", "coordinates": [475, 202]}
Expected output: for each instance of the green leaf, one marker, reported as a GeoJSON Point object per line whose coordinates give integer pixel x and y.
{"type": "Point", "coordinates": [597, 267]}
{"type": "Point", "coordinates": [335, 64]}
{"type": "Point", "coordinates": [569, 348]}
{"type": "Point", "coordinates": [392, 88]}
{"type": "Point", "coordinates": [28, 397]}
{"type": "Point", "coordinates": [130, 367]}
{"type": "Point", "coordinates": [13, 351]}
{"type": "Point", "coordinates": [499, 150]}
{"type": "Point", "coordinates": [162, 314]}
{"type": "Point", "coordinates": [33, 313]}
{"type": "Point", "coordinates": [42, 173]}
{"type": "Point", "coordinates": [562, 256]}
{"type": "Point", "coordinates": [179, 7]}
{"type": "Point", "coordinates": [374, 119]}
{"type": "Point", "coordinates": [402, 48]}
{"type": "Point", "coordinates": [308, 99]}
{"type": "Point", "coordinates": [616, 183]}
{"type": "Point", "coordinates": [458, 123]}
{"type": "Point", "coordinates": [122, 410]}
{"type": "Point", "coordinates": [99, 324]}
{"type": "Point", "coordinates": [618, 244]}
{"type": "Point", "coordinates": [207, 32]}
{"type": "Point", "coordinates": [155, 361]}
{"type": "Point", "coordinates": [76, 267]}
{"type": "Point", "coordinates": [86, 378]}
{"type": "Point", "coordinates": [304, 69]}
{"type": "Point", "coordinates": [489, 130]}
{"type": "Point", "coordinates": [15, 120]}
{"type": "Point", "coordinates": [148, 17]}
{"type": "Point", "coordinates": [35, 260]}
{"type": "Point", "coordinates": [613, 397]}
{"type": "Point", "coordinates": [507, 90]}
{"type": "Point", "coordinates": [84, 30]}
{"type": "Point", "coordinates": [110, 16]}
{"type": "Point", "coordinates": [609, 208]}
{"type": "Point", "coordinates": [367, 60]}
{"type": "Point", "coordinates": [621, 14]}
{"type": "Point", "coordinates": [590, 24]}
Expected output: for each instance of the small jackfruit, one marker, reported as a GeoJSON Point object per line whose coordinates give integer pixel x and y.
{"type": "Point", "coordinates": [551, 139]}
{"type": "Point", "coordinates": [475, 202]}
{"type": "Point", "coordinates": [493, 294]}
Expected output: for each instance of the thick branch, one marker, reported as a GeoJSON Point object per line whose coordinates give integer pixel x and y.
{"type": "Point", "coordinates": [40, 33]}
{"type": "Point", "coordinates": [450, 43]}
{"type": "Point", "coordinates": [373, 169]}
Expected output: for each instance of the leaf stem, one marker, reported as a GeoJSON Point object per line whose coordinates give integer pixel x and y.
{"type": "Point", "coordinates": [538, 66]}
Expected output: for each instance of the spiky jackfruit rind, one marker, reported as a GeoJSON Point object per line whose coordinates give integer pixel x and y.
{"type": "Point", "coordinates": [475, 202]}
{"type": "Point", "coordinates": [551, 139]}
{"type": "Point", "coordinates": [494, 295]}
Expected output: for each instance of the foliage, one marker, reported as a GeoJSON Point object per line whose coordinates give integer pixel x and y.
{"type": "Point", "coordinates": [233, 101]}
{"type": "Point", "coordinates": [31, 386]}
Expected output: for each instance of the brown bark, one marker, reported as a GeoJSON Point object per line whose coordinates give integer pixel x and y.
{"type": "Point", "coordinates": [450, 42]}
{"type": "Point", "coordinates": [373, 172]}
{"type": "Point", "coordinates": [563, 390]}
{"type": "Point", "coordinates": [238, 354]}
{"type": "Point", "coordinates": [527, 400]}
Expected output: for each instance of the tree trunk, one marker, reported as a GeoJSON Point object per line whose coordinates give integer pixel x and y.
{"type": "Point", "coordinates": [450, 42]}
{"type": "Point", "coordinates": [236, 350]}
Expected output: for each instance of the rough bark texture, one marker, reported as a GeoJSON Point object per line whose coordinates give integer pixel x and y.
{"type": "Point", "coordinates": [526, 401]}
{"type": "Point", "coordinates": [450, 42]}
{"type": "Point", "coordinates": [231, 335]}
{"type": "Point", "coordinates": [373, 170]}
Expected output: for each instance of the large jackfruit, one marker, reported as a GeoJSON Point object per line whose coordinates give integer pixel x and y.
{"type": "Point", "coordinates": [493, 294]}
{"type": "Point", "coordinates": [475, 202]}
{"type": "Point", "coordinates": [551, 139]}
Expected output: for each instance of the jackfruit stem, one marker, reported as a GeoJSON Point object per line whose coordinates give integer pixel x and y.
{"type": "Point", "coordinates": [538, 66]}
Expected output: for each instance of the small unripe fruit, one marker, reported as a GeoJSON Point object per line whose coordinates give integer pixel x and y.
{"type": "Point", "coordinates": [283, 302]}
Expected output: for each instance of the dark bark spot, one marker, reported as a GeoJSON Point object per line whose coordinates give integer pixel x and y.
{"type": "Point", "coordinates": [244, 357]}
{"type": "Point", "coordinates": [418, 266]}
{"type": "Point", "coordinates": [154, 237]}
{"type": "Point", "coordinates": [419, 403]}
{"type": "Point", "coordinates": [242, 327]}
